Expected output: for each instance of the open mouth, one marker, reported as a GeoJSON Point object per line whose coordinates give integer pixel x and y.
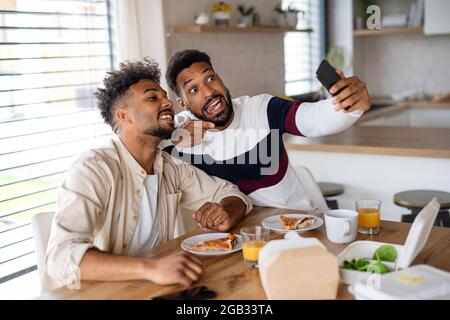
{"type": "Point", "coordinates": [166, 115]}
{"type": "Point", "coordinates": [215, 106]}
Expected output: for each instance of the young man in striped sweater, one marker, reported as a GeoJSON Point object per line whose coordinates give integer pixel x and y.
{"type": "Point", "coordinates": [240, 139]}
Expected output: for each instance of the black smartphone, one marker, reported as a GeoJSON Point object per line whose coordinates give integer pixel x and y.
{"type": "Point", "coordinates": [327, 75]}
{"type": "Point", "coordinates": [196, 293]}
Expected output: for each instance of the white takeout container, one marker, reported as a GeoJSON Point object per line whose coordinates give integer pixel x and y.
{"type": "Point", "coordinates": [415, 241]}
{"type": "Point", "coordinates": [418, 282]}
{"type": "Point", "coordinates": [358, 250]}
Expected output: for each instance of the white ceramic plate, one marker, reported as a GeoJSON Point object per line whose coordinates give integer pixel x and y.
{"type": "Point", "coordinates": [210, 236]}
{"type": "Point", "coordinates": [274, 222]}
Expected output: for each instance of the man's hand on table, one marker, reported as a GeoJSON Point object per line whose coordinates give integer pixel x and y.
{"type": "Point", "coordinates": [354, 95]}
{"type": "Point", "coordinates": [221, 216]}
{"type": "Point", "coordinates": [180, 268]}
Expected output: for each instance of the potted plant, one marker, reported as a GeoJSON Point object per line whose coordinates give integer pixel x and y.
{"type": "Point", "coordinates": [221, 12]}
{"type": "Point", "coordinates": [280, 15]}
{"type": "Point", "coordinates": [288, 17]}
{"type": "Point", "coordinates": [292, 16]}
{"type": "Point", "coordinates": [201, 19]}
{"type": "Point", "coordinates": [246, 18]}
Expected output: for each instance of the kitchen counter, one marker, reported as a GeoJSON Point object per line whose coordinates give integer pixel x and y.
{"type": "Point", "coordinates": [383, 140]}
{"type": "Point", "coordinates": [394, 108]}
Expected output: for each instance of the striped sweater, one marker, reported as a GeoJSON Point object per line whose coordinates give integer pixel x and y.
{"type": "Point", "coordinates": [250, 152]}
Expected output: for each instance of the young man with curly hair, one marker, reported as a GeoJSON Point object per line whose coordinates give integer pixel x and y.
{"type": "Point", "coordinates": [246, 145]}
{"type": "Point", "coordinates": [123, 198]}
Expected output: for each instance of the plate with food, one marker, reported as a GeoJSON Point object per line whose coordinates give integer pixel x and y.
{"type": "Point", "coordinates": [212, 244]}
{"type": "Point", "coordinates": [292, 222]}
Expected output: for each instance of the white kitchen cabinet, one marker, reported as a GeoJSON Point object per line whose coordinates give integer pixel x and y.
{"type": "Point", "coordinates": [437, 17]}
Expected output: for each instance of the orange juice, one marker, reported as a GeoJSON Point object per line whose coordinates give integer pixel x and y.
{"type": "Point", "coordinates": [250, 249]}
{"type": "Point", "coordinates": [368, 217]}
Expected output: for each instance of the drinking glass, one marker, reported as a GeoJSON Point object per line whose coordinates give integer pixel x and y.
{"type": "Point", "coordinates": [253, 239]}
{"type": "Point", "coordinates": [368, 216]}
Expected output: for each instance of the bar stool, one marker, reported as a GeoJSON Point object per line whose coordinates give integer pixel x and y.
{"type": "Point", "coordinates": [415, 200]}
{"type": "Point", "coordinates": [329, 190]}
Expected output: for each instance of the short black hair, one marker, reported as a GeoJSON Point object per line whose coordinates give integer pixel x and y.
{"type": "Point", "coordinates": [117, 83]}
{"type": "Point", "coordinates": [180, 61]}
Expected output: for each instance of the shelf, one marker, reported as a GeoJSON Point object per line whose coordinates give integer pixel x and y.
{"type": "Point", "coordinates": [234, 29]}
{"type": "Point", "coordinates": [387, 31]}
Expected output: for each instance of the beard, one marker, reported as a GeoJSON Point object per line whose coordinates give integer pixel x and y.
{"type": "Point", "coordinates": [222, 118]}
{"type": "Point", "coordinates": [159, 132]}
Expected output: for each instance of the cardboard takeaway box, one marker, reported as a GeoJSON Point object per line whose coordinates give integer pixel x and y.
{"type": "Point", "coordinates": [298, 268]}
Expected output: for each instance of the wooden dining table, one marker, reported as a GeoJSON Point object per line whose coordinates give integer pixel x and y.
{"type": "Point", "coordinates": [231, 279]}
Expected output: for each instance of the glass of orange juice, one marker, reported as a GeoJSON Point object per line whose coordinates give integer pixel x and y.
{"type": "Point", "coordinates": [368, 216]}
{"type": "Point", "coordinates": [253, 239]}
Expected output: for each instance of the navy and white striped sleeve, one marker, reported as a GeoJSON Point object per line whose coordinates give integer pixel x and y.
{"type": "Point", "coordinates": [309, 119]}
{"type": "Point", "coordinates": [281, 115]}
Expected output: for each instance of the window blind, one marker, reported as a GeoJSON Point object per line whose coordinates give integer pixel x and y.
{"type": "Point", "coordinates": [304, 51]}
{"type": "Point", "coordinates": [53, 55]}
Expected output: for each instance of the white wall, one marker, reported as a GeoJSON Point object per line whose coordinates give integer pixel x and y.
{"type": "Point", "coordinates": [394, 63]}
{"type": "Point", "coordinates": [397, 63]}
{"type": "Point", "coordinates": [375, 176]}
{"type": "Point", "coordinates": [249, 64]}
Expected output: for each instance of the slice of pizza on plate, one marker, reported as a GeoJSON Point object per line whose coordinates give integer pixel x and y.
{"type": "Point", "coordinates": [290, 223]}
{"type": "Point", "coordinates": [222, 244]}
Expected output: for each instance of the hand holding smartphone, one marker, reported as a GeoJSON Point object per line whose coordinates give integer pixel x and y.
{"type": "Point", "coordinates": [327, 75]}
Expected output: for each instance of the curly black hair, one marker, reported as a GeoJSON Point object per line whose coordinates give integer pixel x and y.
{"type": "Point", "coordinates": [117, 83]}
{"type": "Point", "coordinates": [180, 61]}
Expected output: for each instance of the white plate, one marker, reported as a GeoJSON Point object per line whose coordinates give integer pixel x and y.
{"type": "Point", "coordinates": [210, 236]}
{"type": "Point", "coordinates": [274, 222]}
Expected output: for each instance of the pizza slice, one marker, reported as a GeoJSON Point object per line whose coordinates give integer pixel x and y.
{"type": "Point", "coordinates": [290, 223]}
{"type": "Point", "coordinates": [221, 244]}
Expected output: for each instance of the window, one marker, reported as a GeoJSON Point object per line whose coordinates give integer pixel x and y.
{"type": "Point", "coordinates": [53, 54]}
{"type": "Point", "coordinates": [304, 51]}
